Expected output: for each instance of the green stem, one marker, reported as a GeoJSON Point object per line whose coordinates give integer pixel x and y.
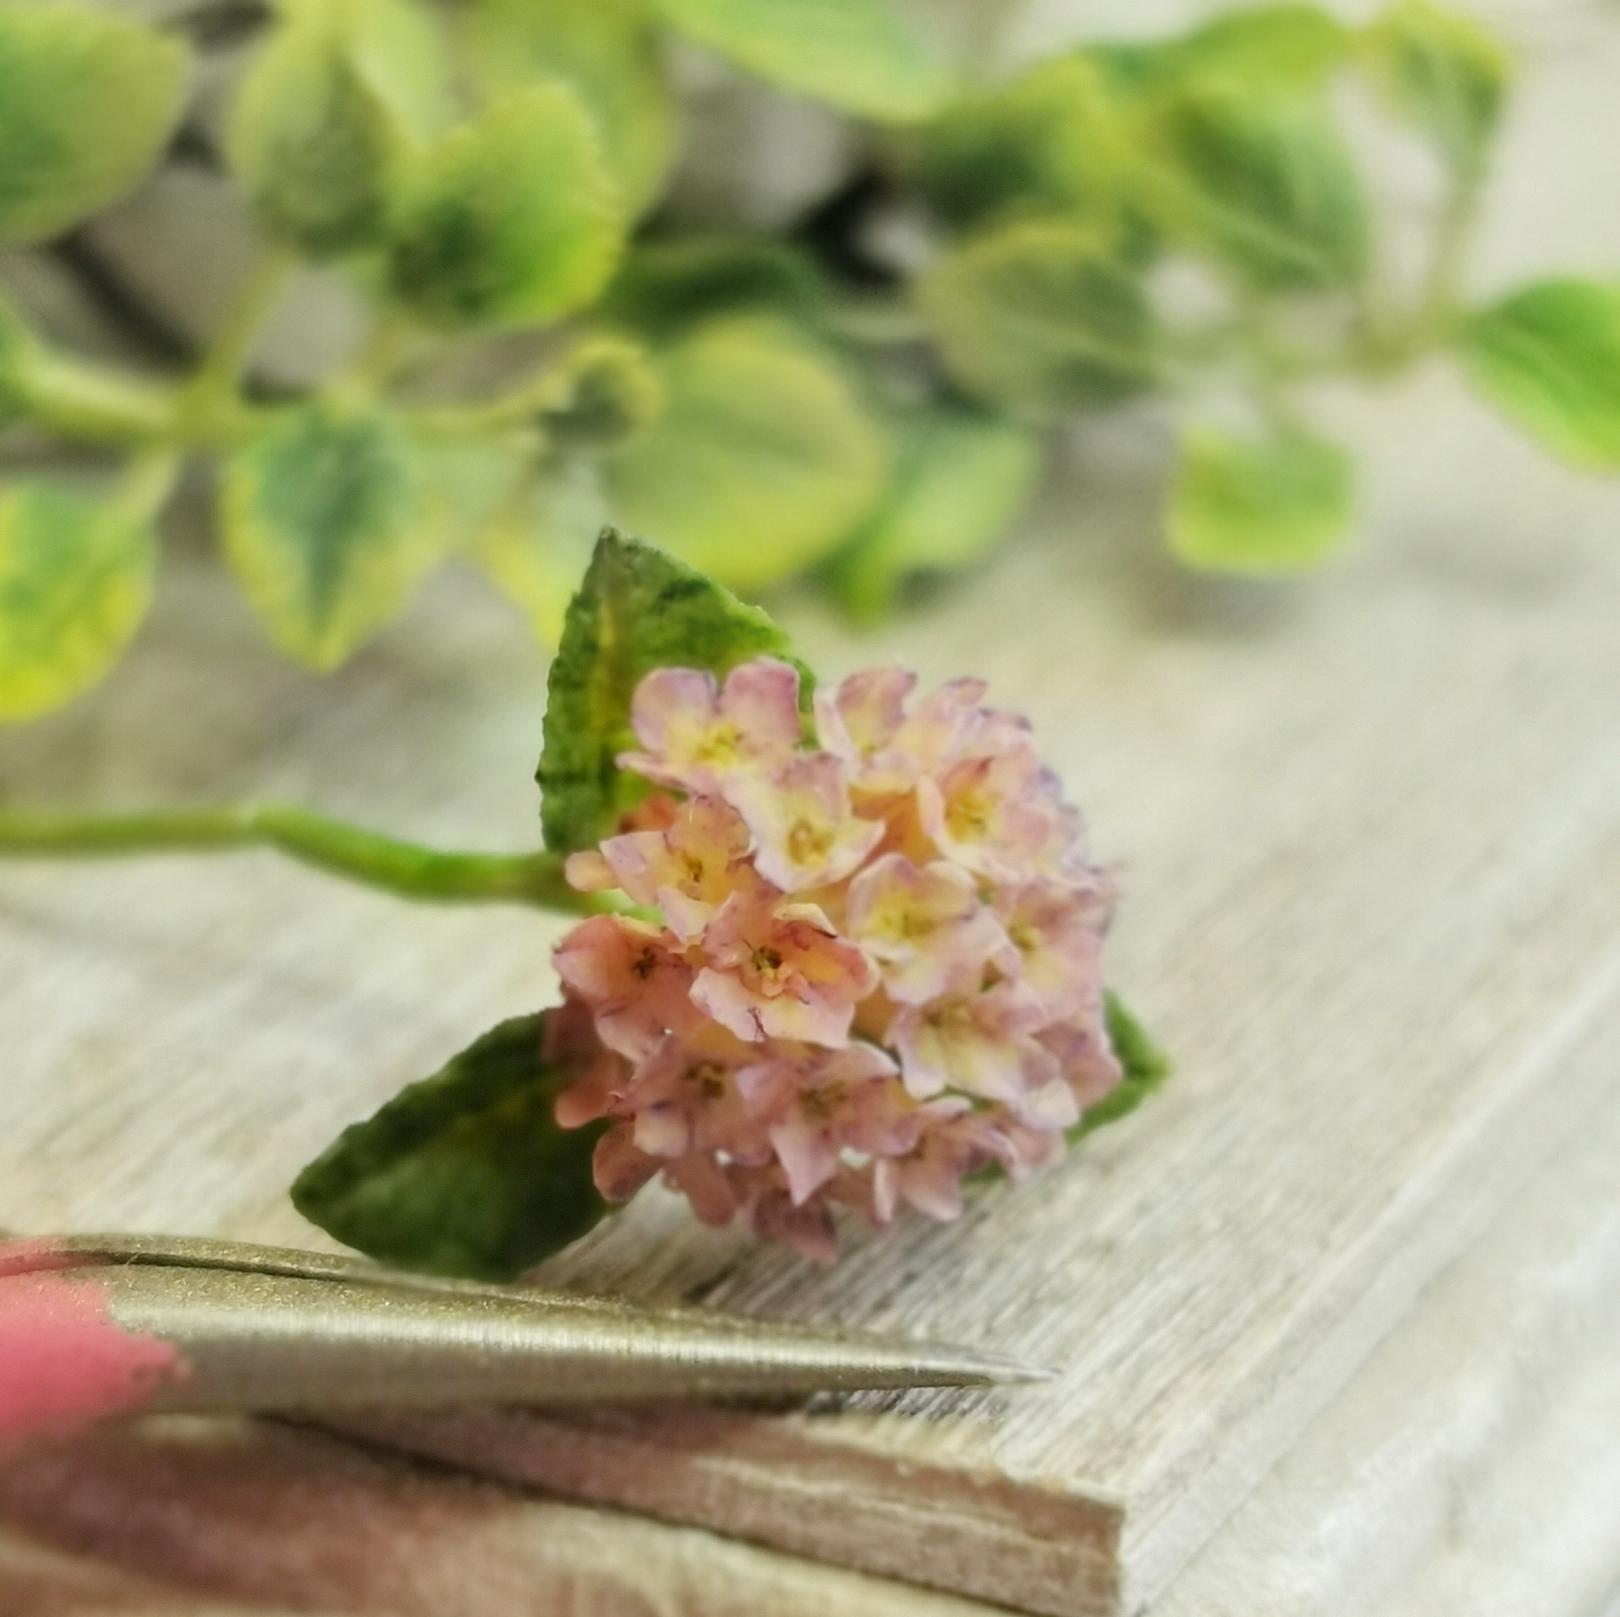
{"type": "Point", "coordinates": [234, 340]}
{"type": "Point", "coordinates": [402, 868]}
{"type": "Point", "coordinates": [1453, 231]}
{"type": "Point", "coordinates": [97, 405]}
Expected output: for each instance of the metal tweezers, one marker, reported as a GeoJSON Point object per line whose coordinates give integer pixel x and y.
{"type": "Point", "coordinates": [268, 1329]}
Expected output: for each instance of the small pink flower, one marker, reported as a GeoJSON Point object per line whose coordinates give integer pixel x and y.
{"type": "Point", "coordinates": [955, 1144]}
{"type": "Point", "coordinates": [805, 833]}
{"type": "Point", "coordinates": [781, 971]}
{"type": "Point", "coordinates": [598, 1077]}
{"type": "Point", "coordinates": [860, 723]}
{"type": "Point", "coordinates": [978, 1043]}
{"type": "Point", "coordinates": [767, 1203]}
{"type": "Point", "coordinates": [828, 1103]}
{"type": "Point", "coordinates": [987, 813]}
{"type": "Point", "coordinates": [634, 980]}
{"type": "Point", "coordinates": [620, 1168]}
{"type": "Point", "coordinates": [686, 1099]}
{"type": "Point", "coordinates": [924, 925]}
{"type": "Point", "coordinates": [686, 871]}
{"type": "Point", "coordinates": [696, 734]}
{"type": "Point", "coordinates": [1054, 934]}
{"type": "Point", "coordinates": [1085, 1056]}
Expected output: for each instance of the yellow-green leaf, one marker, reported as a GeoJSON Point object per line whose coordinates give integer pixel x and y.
{"type": "Point", "coordinates": [75, 582]}
{"type": "Point", "coordinates": [513, 220]}
{"type": "Point", "coordinates": [1549, 358]}
{"type": "Point", "coordinates": [1259, 505]}
{"type": "Point", "coordinates": [1037, 317]}
{"type": "Point", "coordinates": [1051, 141]}
{"type": "Point", "coordinates": [635, 610]}
{"type": "Point", "coordinates": [1276, 46]}
{"type": "Point", "coordinates": [1266, 184]}
{"type": "Point", "coordinates": [87, 103]}
{"type": "Point", "coordinates": [961, 476]}
{"type": "Point", "coordinates": [606, 53]}
{"type": "Point", "coordinates": [327, 113]}
{"type": "Point", "coordinates": [858, 54]}
{"type": "Point", "coordinates": [761, 462]}
{"type": "Point", "coordinates": [1443, 70]}
{"type": "Point", "coordinates": [326, 520]}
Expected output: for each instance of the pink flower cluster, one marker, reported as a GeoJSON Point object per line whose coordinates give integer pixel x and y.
{"type": "Point", "coordinates": [876, 965]}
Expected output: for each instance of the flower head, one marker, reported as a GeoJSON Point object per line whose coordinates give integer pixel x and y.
{"type": "Point", "coordinates": [875, 969]}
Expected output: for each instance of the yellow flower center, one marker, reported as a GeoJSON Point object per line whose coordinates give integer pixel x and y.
{"type": "Point", "coordinates": [809, 844]}
{"type": "Point", "coordinates": [968, 815]}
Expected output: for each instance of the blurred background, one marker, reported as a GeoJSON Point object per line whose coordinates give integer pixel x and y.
{"type": "Point", "coordinates": [1237, 387]}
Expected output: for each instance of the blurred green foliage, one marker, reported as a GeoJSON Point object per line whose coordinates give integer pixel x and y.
{"type": "Point", "coordinates": [762, 404]}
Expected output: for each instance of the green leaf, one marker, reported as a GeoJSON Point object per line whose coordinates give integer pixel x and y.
{"type": "Point", "coordinates": [539, 545]}
{"type": "Point", "coordinates": [602, 393]}
{"type": "Point", "coordinates": [1049, 142]}
{"type": "Point", "coordinates": [636, 610]}
{"type": "Point", "coordinates": [1271, 47]}
{"type": "Point", "coordinates": [1268, 505]}
{"type": "Point", "coordinates": [664, 288]}
{"type": "Point", "coordinates": [326, 521]}
{"type": "Point", "coordinates": [512, 220]}
{"type": "Point", "coordinates": [327, 114]}
{"type": "Point", "coordinates": [1035, 316]}
{"type": "Point", "coordinates": [1445, 72]}
{"type": "Point", "coordinates": [1266, 184]}
{"type": "Point", "coordinates": [1146, 1069]}
{"type": "Point", "coordinates": [1549, 358]}
{"type": "Point", "coordinates": [961, 477]}
{"type": "Point", "coordinates": [857, 54]}
{"type": "Point", "coordinates": [87, 103]}
{"type": "Point", "coordinates": [1280, 46]}
{"type": "Point", "coordinates": [15, 346]}
{"type": "Point", "coordinates": [606, 53]}
{"type": "Point", "coordinates": [761, 462]}
{"type": "Point", "coordinates": [465, 1173]}
{"type": "Point", "coordinates": [75, 582]}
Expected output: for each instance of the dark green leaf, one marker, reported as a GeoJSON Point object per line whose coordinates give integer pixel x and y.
{"type": "Point", "coordinates": [961, 476]}
{"type": "Point", "coordinates": [513, 220]}
{"type": "Point", "coordinates": [329, 527]}
{"type": "Point", "coordinates": [75, 582]}
{"type": "Point", "coordinates": [858, 54]}
{"type": "Point", "coordinates": [1264, 183]}
{"type": "Point", "coordinates": [1549, 357]}
{"type": "Point", "coordinates": [87, 103]}
{"type": "Point", "coordinates": [636, 610]}
{"type": "Point", "coordinates": [1049, 142]}
{"type": "Point", "coordinates": [761, 461]}
{"type": "Point", "coordinates": [1035, 316]}
{"type": "Point", "coordinates": [465, 1173]}
{"type": "Point", "coordinates": [664, 288]}
{"type": "Point", "coordinates": [1146, 1068]}
{"type": "Point", "coordinates": [1444, 71]}
{"type": "Point", "coordinates": [1268, 505]}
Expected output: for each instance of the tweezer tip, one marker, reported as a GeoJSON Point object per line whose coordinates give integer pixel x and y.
{"type": "Point", "coordinates": [964, 1368]}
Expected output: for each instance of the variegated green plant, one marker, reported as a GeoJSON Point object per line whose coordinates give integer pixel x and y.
{"type": "Point", "coordinates": [491, 176]}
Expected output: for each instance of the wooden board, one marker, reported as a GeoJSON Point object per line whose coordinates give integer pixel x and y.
{"type": "Point", "coordinates": [1468, 1470]}
{"type": "Point", "coordinates": [1371, 826]}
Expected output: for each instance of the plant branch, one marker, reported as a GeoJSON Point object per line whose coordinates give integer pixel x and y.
{"type": "Point", "coordinates": [405, 869]}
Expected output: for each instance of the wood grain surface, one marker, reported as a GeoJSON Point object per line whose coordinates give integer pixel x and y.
{"type": "Point", "coordinates": [1370, 827]}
